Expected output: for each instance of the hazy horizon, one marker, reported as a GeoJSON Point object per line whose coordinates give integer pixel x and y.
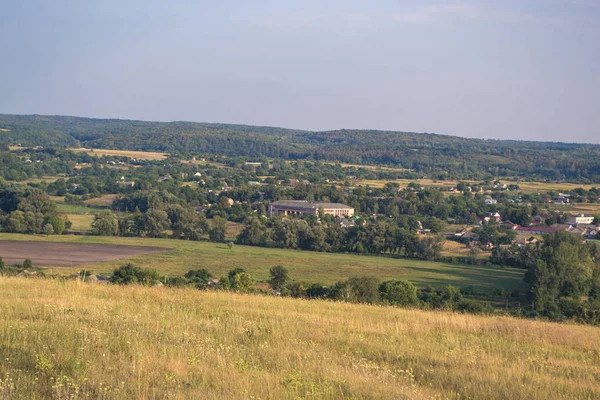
{"type": "Point", "coordinates": [520, 70]}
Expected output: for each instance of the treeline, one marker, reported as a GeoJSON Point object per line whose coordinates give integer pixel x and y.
{"type": "Point", "coordinates": [563, 274]}
{"type": "Point", "coordinates": [379, 237]}
{"type": "Point", "coordinates": [29, 210]}
{"type": "Point", "coordinates": [437, 156]}
{"type": "Point", "coordinates": [358, 289]}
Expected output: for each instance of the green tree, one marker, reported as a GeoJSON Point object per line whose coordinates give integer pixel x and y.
{"type": "Point", "coordinates": [242, 282]}
{"type": "Point", "coordinates": [48, 229]}
{"type": "Point", "coordinates": [279, 277]}
{"type": "Point", "coordinates": [399, 293]}
{"type": "Point", "coordinates": [156, 221]}
{"type": "Point", "coordinates": [253, 232]}
{"type": "Point", "coordinates": [199, 277]}
{"type": "Point", "coordinates": [105, 224]}
{"type": "Point", "coordinates": [564, 268]}
{"type": "Point", "coordinates": [364, 289]}
{"type": "Point", "coordinates": [218, 227]}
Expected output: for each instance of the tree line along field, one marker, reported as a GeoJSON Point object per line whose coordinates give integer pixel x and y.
{"type": "Point", "coordinates": [140, 155]}
{"type": "Point", "coordinates": [304, 266]}
{"type": "Point", "coordinates": [75, 340]}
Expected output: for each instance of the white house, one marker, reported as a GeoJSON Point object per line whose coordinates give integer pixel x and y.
{"type": "Point", "coordinates": [581, 219]}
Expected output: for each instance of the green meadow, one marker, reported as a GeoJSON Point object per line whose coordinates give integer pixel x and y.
{"type": "Point", "coordinates": [304, 266]}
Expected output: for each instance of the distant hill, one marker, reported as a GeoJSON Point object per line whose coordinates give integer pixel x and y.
{"type": "Point", "coordinates": [437, 156]}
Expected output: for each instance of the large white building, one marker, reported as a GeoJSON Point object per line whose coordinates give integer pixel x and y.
{"type": "Point", "coordinates": [299, 207]}
{"type": "Point", "coordinates": [581, 219]}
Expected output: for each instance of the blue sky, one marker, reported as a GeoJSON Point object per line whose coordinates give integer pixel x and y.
{"type": "Point", "coordinates": [526, 69]}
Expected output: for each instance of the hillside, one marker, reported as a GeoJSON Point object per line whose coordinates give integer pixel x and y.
{"type": "Point", "coordinates": [74, 340]}
{"type": "Point", "coordinates": [436, 156]}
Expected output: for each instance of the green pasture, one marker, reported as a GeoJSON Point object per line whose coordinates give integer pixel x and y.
{"type": "Point", "coordinates": [304, 266]}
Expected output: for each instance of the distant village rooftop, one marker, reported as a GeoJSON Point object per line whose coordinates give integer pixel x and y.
{"type": "Point", "coordinates": [298, 207]}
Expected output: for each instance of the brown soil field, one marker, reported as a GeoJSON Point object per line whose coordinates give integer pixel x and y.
{"type": "Point", "coordinates": [50, 254]}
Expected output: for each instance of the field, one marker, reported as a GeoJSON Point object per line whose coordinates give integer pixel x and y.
{"type": "Point", "coordinates": [140, 155]}
{"type": "Point", "coordinates": [326, 268]}
{"type": "Point", "coordinates": [67, 254]}
{"type": "Point", "coordinates": [73, 340]}
{"type": "Point", "coordinates": [526, 187]}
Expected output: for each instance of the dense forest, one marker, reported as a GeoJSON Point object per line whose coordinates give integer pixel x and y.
{"type": "Point", "coordinates": [430, 155]}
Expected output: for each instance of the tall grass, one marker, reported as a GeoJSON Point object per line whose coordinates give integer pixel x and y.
{"type": "Point", "coordinates": [74, 340]}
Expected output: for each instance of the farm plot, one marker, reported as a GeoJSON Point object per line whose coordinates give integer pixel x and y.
{"type": "Point", "coordinates": [52, 254]}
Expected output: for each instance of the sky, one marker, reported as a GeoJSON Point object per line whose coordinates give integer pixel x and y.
{"type": "Point", "coordinates": [509, 69]}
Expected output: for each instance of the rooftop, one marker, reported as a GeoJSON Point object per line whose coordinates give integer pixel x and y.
{"type": "Point", "coordinates": [308, 204]}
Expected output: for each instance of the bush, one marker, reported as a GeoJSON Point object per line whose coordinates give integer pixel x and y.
{"type": "Point", "coordinates": [128, 274]}
{"type": "Point", "coordinates": [317, 291]}
{"type": "Point", "coordinates": [398, 293]}
{"type": "Point", "coordinates": [199, 278]}
{"type": "Point", "coordinates": [475, 307]}
{"type": "Point", "coordinates": [296, 289]}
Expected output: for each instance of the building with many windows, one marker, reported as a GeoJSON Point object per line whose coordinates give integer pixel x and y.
{"type": "Point", "coordinates": [299, 207]}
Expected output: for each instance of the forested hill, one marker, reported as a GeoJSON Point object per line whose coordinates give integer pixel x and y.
{"type": "Point", "coordinates": [436, 156]}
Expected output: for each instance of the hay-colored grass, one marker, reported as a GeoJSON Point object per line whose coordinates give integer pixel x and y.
{"type": "Point", "coordinates": [74, 340]}
{"type": "Point", "coordinates": [140, 155]}
{"type": "Point", "coordinates": [81, 223]}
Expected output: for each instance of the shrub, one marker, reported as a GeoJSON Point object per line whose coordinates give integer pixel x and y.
{"type": "Point", "coordinates": [398, 293]}
{"type": "Point", "coordinates": [475, 307]}
{"type": "Point", "coordinates": [199, 278]}
{"type": "Point", "coordinates": [128, 274]}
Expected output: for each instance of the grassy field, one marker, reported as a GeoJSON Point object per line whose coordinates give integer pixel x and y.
{"type": "Point", "coordinates": [103, 201]}
{"type": "Point", "coordinates": [73, 340]}
{"type": "Point", "coordinates": [140, 155]}
{"type": "Point", "coordinates": [81, 223]}
{"type": "Point", "coordinates": [309, 266]}
{"type": "Point", "coordinates": [579, 208]}
{"type": "Point", "coordinates": [527, 187]}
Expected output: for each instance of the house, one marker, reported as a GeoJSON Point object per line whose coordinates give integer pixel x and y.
{"type": "Point", "coordinates": [492, 215]}
{"type": "Point", "coordinates": [197, 174]}
{"type": "Point", "coordinates": [531, 240]}
{"type": "Point", "coordinates": [536, 230]}
{"type": "Point", "coordinates": [344, 223]}
{"type": "Point", "coordinates": [126, 184]}
{"type": "Point", "coordinates": [490, 201]}
{"type": "Point", "coordinates": [538, 219]}
{"type": "Point", "coordinates": [581, 219]}
{"type": "Point", "coordinates": [510, 225]}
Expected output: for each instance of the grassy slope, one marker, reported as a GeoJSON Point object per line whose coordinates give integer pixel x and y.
{"type": "Point", "coordinates": [63, 339]}
{"type": "Point", "coordinates": [303, 265]}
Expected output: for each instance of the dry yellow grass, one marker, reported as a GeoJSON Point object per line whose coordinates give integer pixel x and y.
{"type": "Point", "coordinates": [103, 201]}
{"type": "Point", "coordinates": [527, 187]}
{"type": "Point", "coordinates": [140, 155]}
{"type": "Point", "coordinates": [74, 340]}
{"type": "Point", "coordinates": [81, 222]}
